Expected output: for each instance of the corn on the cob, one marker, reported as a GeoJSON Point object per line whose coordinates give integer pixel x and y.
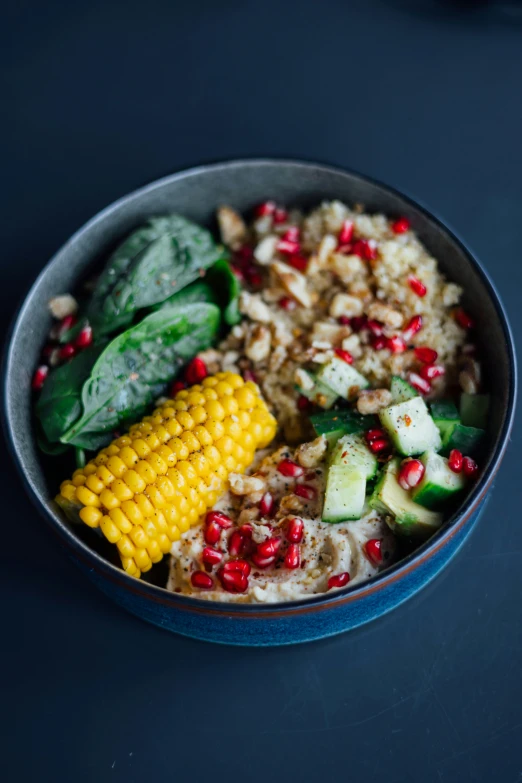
{"type": "Point", "coordinates": [149, 486]}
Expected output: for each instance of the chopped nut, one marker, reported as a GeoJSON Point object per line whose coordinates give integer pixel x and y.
{"type": "Point", "coordinates": [326, 246]}
{"type": "Point", "coordinates": [344, 304]}
{"type": "Point", "coordinates": [327, 334]}
{"type": "Point", "coordinates": [277, 358]}
{"type": "Point", "coordinates": [265, 250]}
{"type": "Point", "coordinates": [245, 485]}
{"type": "Point", "coordinates": [253, 306]}
{"type": "Point", "coordinates": [63, 305]}
{"type": "Point", "coordinates": [372, 401]}
{"type": "Point", "coordinates": [347, 267]}
{"type": "Point", "coordinates": [309, 455]}
{"type": "Point", "coordinates": [293, 282]}
{"type": "Point", "coordinates": [231, 227]}
{"type": "Point", "coordinates": [291, 503]}
{"type": "Point", "coordinates": [352, 344]}
{"type": "Point", "coordinates": [257, 345]}
{"type": "Point", "coordinates": [303, 380]}
{"type": "Point", "coordinates": [385, 314]}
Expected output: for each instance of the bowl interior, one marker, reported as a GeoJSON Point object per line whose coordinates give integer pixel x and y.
{"type": "Point", "coordinates": [196, 194]}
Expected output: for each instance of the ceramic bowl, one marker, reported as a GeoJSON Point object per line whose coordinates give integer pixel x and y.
{"type": "Point", "coordinates": [196, 193]}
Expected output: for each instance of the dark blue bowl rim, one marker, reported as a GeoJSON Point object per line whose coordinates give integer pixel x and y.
{"type": "Point", "coordinates": [309, 605]}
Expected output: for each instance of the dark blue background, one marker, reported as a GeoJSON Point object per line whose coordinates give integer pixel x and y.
{"type": "Point", "coordinates": [101, 97]}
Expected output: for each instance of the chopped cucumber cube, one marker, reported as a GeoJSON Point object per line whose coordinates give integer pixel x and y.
{"type": "Point", "coordinates": [342, 378]}
{"type": "Point", "coordinates": [445, 415]}
{"type": "Point", "coordinates": [334, 424]}
{"type": "Point", "coordinates": [474, 410]}
{"type": "Point", "coordinates": [439, 483]}
{"type": "Point", "coordinates": [468, 440]}
{"type": "Point", "coordinates": [401, 390]}
{"type": "Point", "coordinates": [411, 427]}
{"type": "Point", "coordinates": [317, 392]}
{"type": "Point", "coordinates": [352, 452]}
{"type": "Point", "coordinates": [403, 515]}
{"type": "Point", "coordinates": [344, 496]}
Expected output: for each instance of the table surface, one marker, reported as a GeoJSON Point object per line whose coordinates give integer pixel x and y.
{"type": "Point", "coordinates": [103, 97]}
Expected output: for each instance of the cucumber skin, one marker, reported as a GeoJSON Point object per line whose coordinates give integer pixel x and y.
{"type": "Point", "coordinates": [334, 424]}
{"type": "Point", "coordinates": [433, 497]}
{"type": "Point", "coordinates": [468, 440]}
{"type": "Point", "coordinates": [445, 415]}
{"type": "Point", "coordinates": [474, 410]}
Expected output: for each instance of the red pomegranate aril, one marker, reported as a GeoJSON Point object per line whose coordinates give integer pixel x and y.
{"type": "Point", "coordinates": [262, 562]}
{"type": "Point", "coordinates": [238, 273]}
{"type": "Point", "coordinates": [212, 533]}
{"type": "Point", "coordinates": [219, 518]}
{"type": "Point", "coordinates": [413, 326]}
{"type": "Point", "coordinates": [238, 565]}
{"type": "Point", "coordinates": [244, 255]}
{"type": "Point", "coordinates": [410, 473]}
{"type": "Point", "coordinates": [372, 435]}
{"type": "Point", "coordinates": [306, 492]}
{"type": "Point", "coordinates": [344, 250]}
{"type": "Point", "coordinates": [264, 209]}
{"type": "Point", "coordinates": [176, 387]}
{"type": "Point", "coordinates": [455, 460]}
{"type": "Point", "coordinates": [431, 371]}
{"type": "Point", "coordinates": [84, 338]}
{"type": "Point", "coordinates": [375, 328]}
{"type": "Point", "coordinates": [372, 550]}
{"type": "Point", "coordinates": [66, 324]}
{"type": "Point", "coordinates": [195, 371]}
{"type": "Point", "coordinates": [417, 286]}
{"type": "Point", "coordinates": [379, 343]}
{"type": "Point", "coordinates": [39, 377]}
{"type": "Point", "coordinates": [423, 386]}
{"type": "Point", "coordinates": [298, 262]}
{"type": "Point", "coordinates": [463, 319]}
{"type": "Point", "coordinates": [287, 248]}
{"type": "Point", "coordinates": [202, 580]}
{"type": "Point", "coordinates": [469, 467]}
{"type": "Point", "coordinates": [346, 356]}
{"type": "Point", "coordinates": [248, 375]}
{"type": "Point", "coordinates": [211, 556]}
{"type": "Point", "coordinates": [365, 248]}
{"type": "Point", "coordinates": [396, 344]}
{"type": "Point", "coordinates": [67, 352]}
{"type": "Point", "coordinates": [233, 581]}
{"type": "Point", "coordinates": [295, 530]}
{"type": "Point", "coordinates": [290, 469]}
{"type": "Point", "coordinates": [287, 303]}
{"type": "Point", "coordinates": [303, 403]}
{"type": "Point", "coordinates": [291, 234]}
{"type": "Point", "coordinates": [401, 225]}
{"type": "Point", "coordinates": [376, 446]}
{"type": "Point", "coordinates": [344, 320]}
{"type": "Point", "coordinates": [235, 544]}
{"type": "Point", "coordinates": [359, 322]}
{"type": "Point", "coordinates": [253, 278]}
{"type": "Point", "coordinates": [346, 233]}
{"type": "Point", "coordinates": [280, 216]}
{"type": "Point", "coordinates": [266, 504]}
{"type": "Point", "coordinates": [339, 580]}
{"type": "Point", "coordinates": [268, 548]}
{"type": "Point", "coordinates": [426, 355]}
{"type": "Point", "coordinates": [293, 557]}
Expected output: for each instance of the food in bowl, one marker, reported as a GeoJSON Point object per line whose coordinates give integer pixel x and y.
{"type": "Point", "coordinates": [318, 400]}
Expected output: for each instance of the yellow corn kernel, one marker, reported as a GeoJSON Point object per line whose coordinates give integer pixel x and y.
{"type": "Point", "coordinates": [146, 472]}
{"type": "Point", "coordinates": [179, 449]}
{"type": "Point", "coordinates": [87, 498]}
{"type": "Point", "coordinates": [164, 543]}
{"type": "Point", "coordinates": [141, 448]}
{"type": "Point", "coordinates": [68, 491]}
{"type": "Point", "coordinates": [245, 397]}
{"type": "Point", "coordinates": [121, 491]}
{"type": "Point", "coordinates": [90, 515]}
{"type": "Point", "coordinates": [209, 394]}
{"type": "Point", "coordinates": [188, 473]}
{"type": "Point", "coordinates": [168, 455]}
{"type": "Point", "coordinates": [109, 499]}
{"type": "Point", "coordinates": [116, 466]}
{"type": "Point", "coordinates": [133, 481]}
{"type": "Point", "coordinates": [155, 497]}
{"type": "Point", "coordinates": [126, 547]}
{"type": "Point", "coordinates": [121, 520]}
{"type": "Point", "coordinates": [158, 464]}
{"type": "Point", "coordinates": [144, 505]}
{"type": "Point", "coordinates": [173, 427]}
{"type": "Point", "coordinates": [203, 435]}
{"type": "Point", "coordinates": [79, 480]}
{"type": "Point", "coordinates": [129, 456]}
{"type": "Point", "coordinates": [142, 559]}
{"type": "Point", "coordinates": [89, 468]}
{"type": "Point", "coordinates": [109, 530]}
{"type": "Point", "coordinates": [176, 478]}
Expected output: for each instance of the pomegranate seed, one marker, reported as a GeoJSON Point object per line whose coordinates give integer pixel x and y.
{"type": "Point", "coordinates": [401, 225]}
{"type": "Point", "coordinates": [288, 248]}
{"type": "Point", "coordinates": [84, 338]}
{"type": "Point", "coordinates": [373, 552]}
{"type": "Point", "coordinates": [248, 375]}
{"type": "Point", "coordinates": [344, 320]}
{"type": "Point", "coordinates": [264, 209]}
{"type": "Point", "coordinates": [244, 255]}
{"type": "Point", "coordinates": [289, 468]}
{"type": "Point", "coordinates": [303, 403]}
{"type": "Point", "coordinates": [344, 355]}
{"type": "Point", "coordinates": [195, 371]}
{"type": "Point", "coordinates": [431, 371]}
{"type": "Point", "coordinates": [212, 533]}
{"type": "Point", "coordinates": [359, 322]}
{"type": "Point", "coordinates": [266, 504]}
{"type": "Point", "coordinates": [293, 556]}
{"type": "Point", "coordinates": [421, 384]}
{"type": "Point", "coordinates": [262, 562]}
{"type": "Point", "coordinates": [236, 544]}
{"type": "Point", "coordinates": [66, 324]}
{"type": "Point", "coordinates": [291, 234]}
{"type": "Point", "coordinates": [287, 303]}
{"type": "Point", "coordinates": [339, 580]}
{"type": "Point", "coordinates": [238, 273]}
{"type": "Point", "coordinates": [396, 344]}
{"type": "Point", "coordinates": [410, 473]}
{"type": "Point", "coordinates": [455, 460]}
{"type": "Point", "coordinates": [378, 445]}
{"type": "Point", "coordinates": [295, 530]}
{"type": "Point", "coordinates": [417, 286]}
{"type": "Point", "coordinates": [211, 556]}
{"type": "Point", "coordinates": [463, 319]}
{"type": "Point", "coordinates": [176, 387]}
{"type": "Point", "coordinates": [375, 328]}
{"type": "Point", "coordinates": [413, 327]}
{"type": "Point", "coordinates": [253, 277]}
{"type": "Point", "coordinates": [246, 531]}
{"type": "Point", "coordinates": [219, 518]}
{"type": "Point", "coordinates": [469, 467]}
{"type": "Point", "coordinates": [268, 548]}
{"type": "Point", "coordinates": [346, 233]}
{"type": "Point", "coordinates": [280, 216]}
{"type": "Point", "coordinates": [238, 565]}
{"type": "Point", "coordinates": [345, 250]}
{"type": "Point", "coordinates": [309, 493]}
{"type": "Point", "coordinates": [374, 435]}
{"type": "Point", "coordinates": [365, 248]}
{"type": "Point", "coordinates": [233, 581]}
{"type": "Point", "coordinates": [298, 262]}
{"type": "Point", "coordinates": [39, 377]}
{"type": "Point", "coordinates": [202, 580]}
{"type": "Point", "coordinates": [379, 343]}
{"type": "Point", "coordinates": [426, 355]}
{"type": "Point", "coordinates": [67, 352]}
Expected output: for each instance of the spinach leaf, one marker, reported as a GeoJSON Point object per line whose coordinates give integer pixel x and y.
{"type": "Point", "coordinates": [227, 286]}
{"type": "Point", "coordinates": [158, 259]}
{"type": "Point", "coordinates": [135, 367]}
{"type": "Point", "coordinates": [194, 293]}
{"type": "Point", "coordinates": [59, 404]}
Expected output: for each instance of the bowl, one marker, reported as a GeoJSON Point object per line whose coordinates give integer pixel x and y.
{"type": "Point", "coordinates": [196, 193]}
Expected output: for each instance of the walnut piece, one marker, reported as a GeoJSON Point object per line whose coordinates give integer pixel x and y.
{"type": "Point", "coordinates": [265, 250]}
{"type": "Point", "coordinates": [62, 306]}
{"type": "Point", "coordinates": [309, 455]}
{"type": "Point", "coordinates": [253, 306]}
{"type": "Point", "coordinates": [231, 227]}
{"type": "Point", "coordinates": [344, 304]}
{"type": "Point", "coordinates": [245, 485]}
{"type": "Point", "coordinates": [293, 282]}
{"type": "Point", "coordinates": [378, 311]}
{"type": "Point", "coordinates": [372, 401]}
{"type": "Point", "coordinates": [257, 345]}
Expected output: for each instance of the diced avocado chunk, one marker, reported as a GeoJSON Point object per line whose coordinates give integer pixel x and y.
{"type": "Point", "coordinates": [474, 410]}
{"type": "Point", "coordinates": [317, 392]}
{"type": "Point", "coordinates": [334, 424]}
{"type": "Point", "coordinates": [439, 483]}
{"type": "Point", "coordinates": [401, 390]}
{"type": "Point", "coordinates": [445, 415]}
{"type": "Point", "coordinates": [344, 496]}
{"type": "Point", "coordinates": [403, 515]}
{"type": "Point", "coordinates": [468, 440]}
{"type": "Point", "coordinates": [352, 452]}
{"type": "Point", "coordinates": [342, 378]}
{"type": "Point", "coordinates": [411, 427]}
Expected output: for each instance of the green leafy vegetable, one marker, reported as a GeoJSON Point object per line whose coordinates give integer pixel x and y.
{"type": "Point", "coordinates": [192, 294]}
{"type": "Point", "coordinates": [156, 260]}
{"type": "Point", "coordinates": [225, 283]}
{"type": "Point", "coordinates": [133, 369]}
